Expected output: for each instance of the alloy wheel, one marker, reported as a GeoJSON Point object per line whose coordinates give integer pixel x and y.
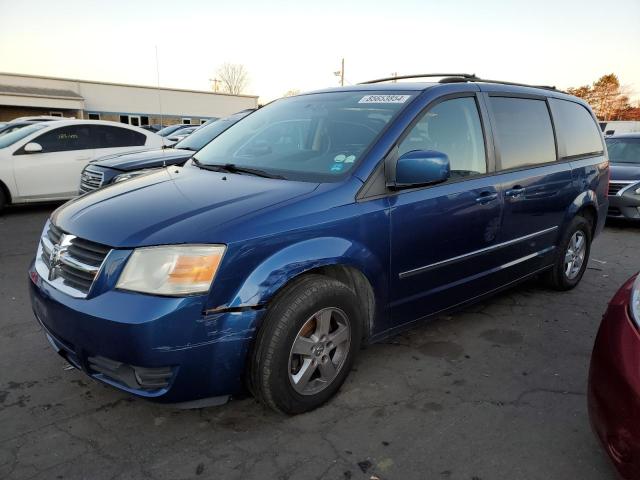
{"type": "Point", "coordinates": [319, 351]}
{"type": "Point", "coordinates": [574, 256]}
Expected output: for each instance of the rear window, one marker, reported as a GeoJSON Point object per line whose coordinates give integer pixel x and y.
{"type": "Point", "coordinates": [112, 137]}
{"type": "Point", "coordinates": [523, 131]}
{"type": "Point", "coordinates": [576, 128]}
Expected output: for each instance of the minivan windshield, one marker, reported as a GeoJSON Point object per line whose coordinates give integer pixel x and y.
{"type": "Point", "coordinates": [623, 150]}
{"type": "Point", "coordinates": [206, 133]}
{"type": "Point", "coordinates": [317, 137]}
{"type": "Point", "coordinates": [13, 137]}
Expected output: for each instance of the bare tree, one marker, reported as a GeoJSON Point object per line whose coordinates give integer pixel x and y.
{"type": "Point", "coordinates": [234, 77]}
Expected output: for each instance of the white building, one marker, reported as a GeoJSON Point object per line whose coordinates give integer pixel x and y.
{"type": "Point", "coordinates": [26, 95]}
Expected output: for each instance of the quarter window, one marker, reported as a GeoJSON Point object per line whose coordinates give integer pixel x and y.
{"type": "Point", "coordinates": [73, 137]}
{"type": "Point", "coordinates": [523, 131]}
{"type": "Point", "coordinates": [576, 128]}
{"type": "Point", "coordinates": [112, 137]}
{"type": "Point", "coordinates": [452, 127]}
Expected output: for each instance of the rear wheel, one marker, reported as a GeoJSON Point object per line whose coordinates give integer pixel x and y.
{"type": "Point", "coordinates": [572, 255]}
{"type": "Point", "coordinates": [307, 345]}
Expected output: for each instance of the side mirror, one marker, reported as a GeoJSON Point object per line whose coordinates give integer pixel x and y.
{"type": "Point", "coordinates": [32, 147]}
{"type": "Point", "coordinates": [419, 167]}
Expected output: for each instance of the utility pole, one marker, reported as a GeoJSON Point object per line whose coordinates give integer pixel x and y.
{"type": "Point", "coordinates": [215, 83]}
{"type": "Point", "coordinates": [394, 75]}
{"type": "Point", "coordinates": [340, 73]}
{"type": "Point", "coordinates": [159, 92]}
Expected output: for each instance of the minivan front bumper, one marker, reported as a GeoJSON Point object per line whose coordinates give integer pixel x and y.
{"type": "Point", "coordinates": [165, 349]}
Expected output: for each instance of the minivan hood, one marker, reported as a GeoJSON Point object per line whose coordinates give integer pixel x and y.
{"type": "Point", "coordinates": [174, 205]}
{"type": "Point", "coordinates": [625, 171]}
{"type": "Point", "coordinates": [145, 159]}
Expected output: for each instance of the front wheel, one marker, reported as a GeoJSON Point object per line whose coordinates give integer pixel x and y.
{"type": "Point", "coordinates": [306, 346]}
{"type": "Point", "coordinates": [572, 255]}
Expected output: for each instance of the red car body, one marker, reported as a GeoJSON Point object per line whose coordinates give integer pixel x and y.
{"type": "Point", "coordinates": [614, 385]}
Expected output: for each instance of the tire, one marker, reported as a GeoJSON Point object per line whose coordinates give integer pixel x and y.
{"type": "Point", "coordinates": [281, 378]}
{"type": "Point", "coordinates": [562, 277]}
{"type": "Point", "coordinates": [3, 199]}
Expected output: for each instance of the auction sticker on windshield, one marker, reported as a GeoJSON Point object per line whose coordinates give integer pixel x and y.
{"type": "Point", "coordinates": [384, 98]}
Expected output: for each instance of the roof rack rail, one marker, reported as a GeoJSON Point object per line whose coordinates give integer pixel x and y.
{"type": "Point", "coordinates": [501, 82]}
{"type": "Point", "coordinates": [457, 78]}
{"type": "Point", "coordinates": [423, 75]}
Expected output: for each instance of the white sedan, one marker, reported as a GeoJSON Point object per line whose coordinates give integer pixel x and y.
{"type": "Point", "coordinates": [43, 161]}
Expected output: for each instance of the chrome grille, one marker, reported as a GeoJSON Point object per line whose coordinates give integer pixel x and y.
{"type": "Point", "coordinates": [90, 180]}
{"type": "Point", "coordinates": [615, 187]}
{"type": "Point", "coordinates": [69, 263]}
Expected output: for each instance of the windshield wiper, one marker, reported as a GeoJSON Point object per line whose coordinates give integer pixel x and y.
{"type": "Point", "coordinates": [233, 168]}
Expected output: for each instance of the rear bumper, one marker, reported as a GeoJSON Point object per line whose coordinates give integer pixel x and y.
{"type": "Point", "coordinates": [625, 206]}
{"type": "Point", "coordinates": [614, 386]}
{"type": "Point", "coordinates": [123, 339]}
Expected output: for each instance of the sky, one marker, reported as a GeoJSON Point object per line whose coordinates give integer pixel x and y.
{"type": "Point", "coordinates": [288, 45]}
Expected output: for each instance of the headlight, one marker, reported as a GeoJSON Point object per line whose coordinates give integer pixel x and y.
{"type": "Point", "coordinates": [127, 176]}
{"type": "Point", "coordinates": [635, 300]}
{"type": "Point", "coordinates": [171, 270]}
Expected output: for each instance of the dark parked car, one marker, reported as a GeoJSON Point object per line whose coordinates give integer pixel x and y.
{"type": "Point", "coordinates": [155, 127]}
{"type": "Point", "coordinates": [624, 185]}
{"type": "Point", "coordinates": [614, 380]}
{"type": "Point", "coordinates": [182, 133]}
{"type": "Point", "coordinates": [116, 168]}
{"type": "Point", "coordinates": [166, 131]}
{"type": "Point", "coordinates": [317, 223]}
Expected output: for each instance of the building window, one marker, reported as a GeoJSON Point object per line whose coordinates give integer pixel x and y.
{"type": "Point", "coordinates": [203, 121]}
{"type": "Point", "coordinates": [94, 116]}
{"type": "Point", "coordinates": [186, 121]}
{"type": "Point", "coordinates": [55, 114]}
{"type": "Point", "coordinates": [135, 120]}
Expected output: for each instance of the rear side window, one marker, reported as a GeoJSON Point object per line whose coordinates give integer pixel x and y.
{"type": "Point", "coordinates": [452, 127]}
{"type": "Point", "coordinates": [112, 137]}
{"type": "Point", "coordinates": [523, 132]}
{"type": "Point", "coordinates": [72, 137]}
{"type": "Point", "coordinates": [576, 128]}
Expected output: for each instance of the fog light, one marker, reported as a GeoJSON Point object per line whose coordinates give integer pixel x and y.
{"type": "Point", "coordinates": [137, 378]}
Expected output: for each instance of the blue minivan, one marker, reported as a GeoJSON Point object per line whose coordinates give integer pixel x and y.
{"type": "Point", "coordinates": [320, 222]}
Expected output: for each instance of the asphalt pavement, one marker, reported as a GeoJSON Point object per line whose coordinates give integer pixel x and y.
{"type": "Point", "coordinates": [496, 391]}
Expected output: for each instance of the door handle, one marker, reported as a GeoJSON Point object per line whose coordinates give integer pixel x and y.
{"type": "Point", "coordinates": [515, 192]}
{"type": "Point", "coordinates": [486, 197]}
